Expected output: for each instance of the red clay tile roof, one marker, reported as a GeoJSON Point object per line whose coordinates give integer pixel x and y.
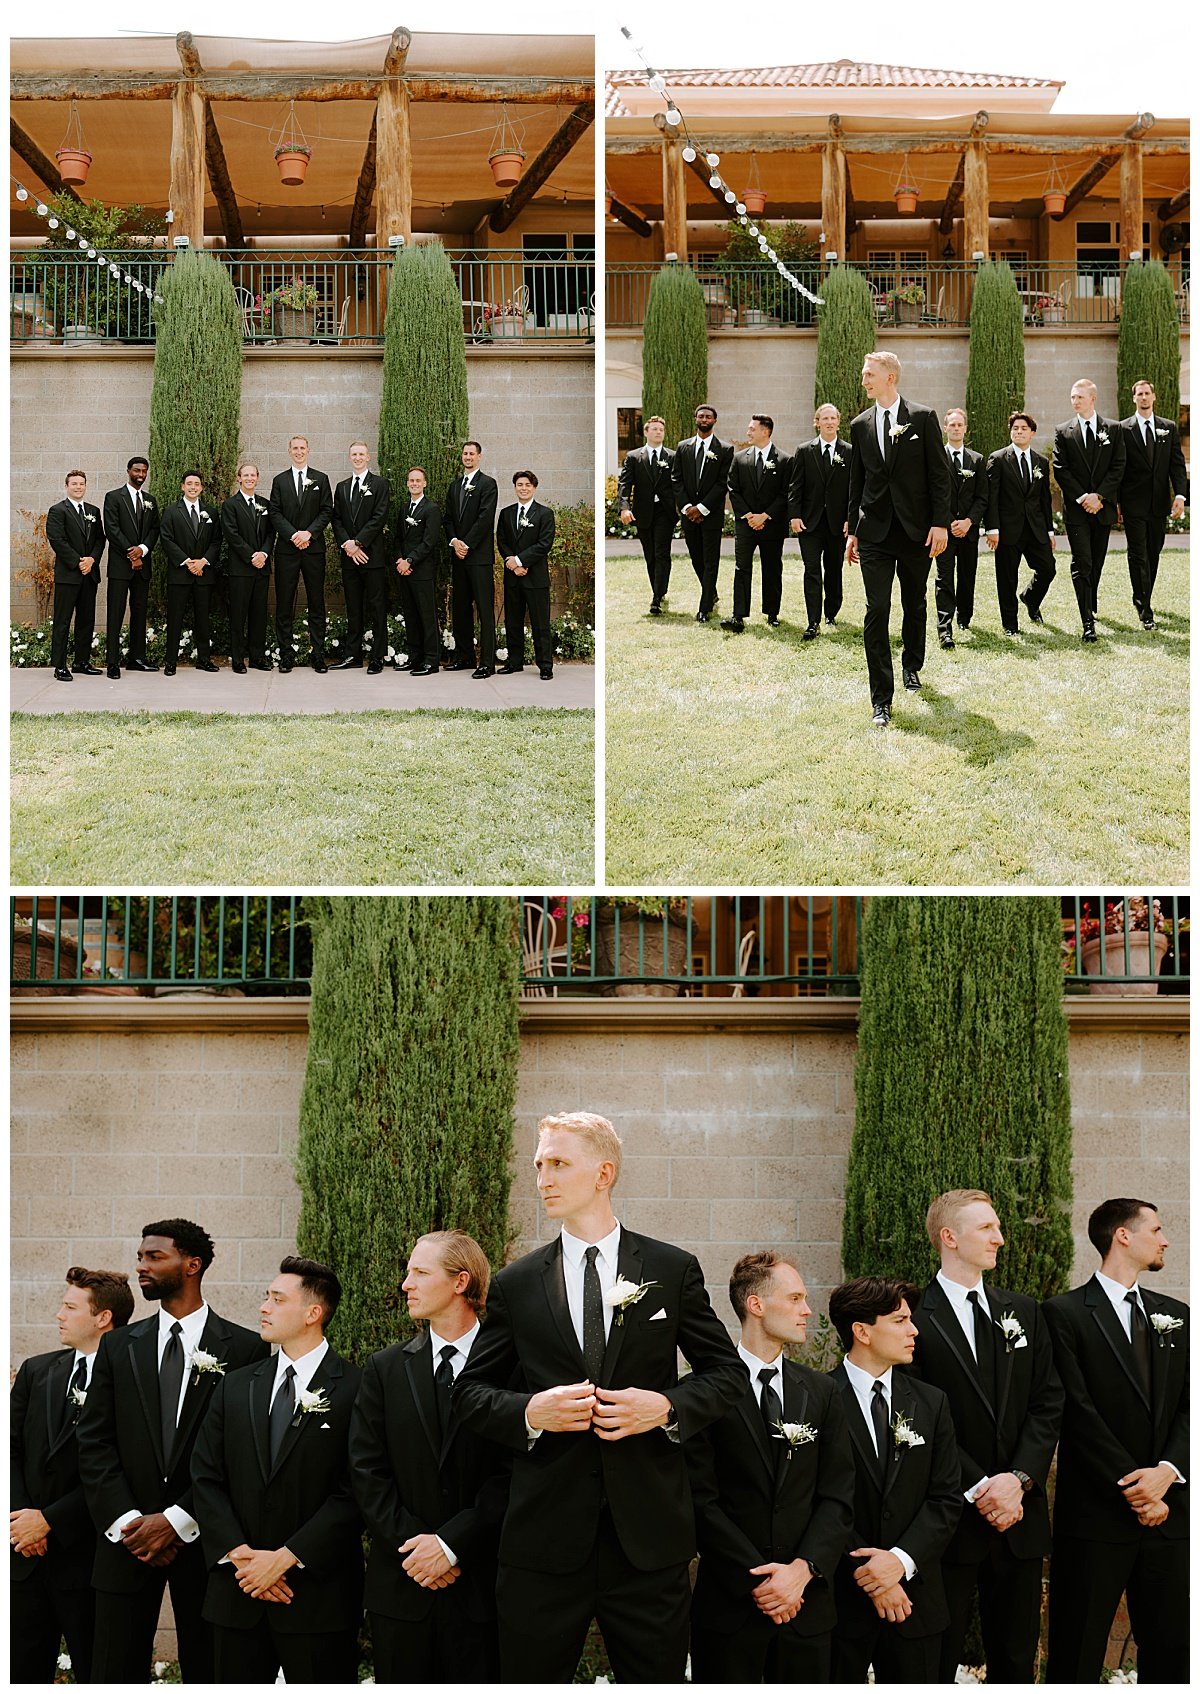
{"type": "Point", "coordinates": [841, 73]}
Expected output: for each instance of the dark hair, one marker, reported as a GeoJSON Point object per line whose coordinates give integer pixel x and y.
{"type": "Point", "coordinates": [477, 445]}
{"type": "Point", "coordinates": [1109, 1217]}
{"type": "Point", "coordinates": [108, 1290]}
{"type": "Point", "coordinates": [1016, 417]}
{"type": "Point", "coordinates": [705, 407]}
{"type": "Point", "coordinates": [1146, 381]}
{"type": "Point", "coordinates": [317, 1280]}
{"type": "Point", "coordinates": [762, 418]}
{"type": "Point", "coordinates": [865, 1300]}
{"type": "Point", "coordinates": [517, 475]}
{"type": "Point", "coordinates": [70, 474]}
{"type": "Point", "coordinates": [138, 459]}
{"type": "Point", "coordinates": [751, 1275]}
{"type": "Point", "coordinates": [192, 1241]}
{"type": "Point", "coordinates": [420, 468]}
{"type": "Point", "coordinates": [186, 474]}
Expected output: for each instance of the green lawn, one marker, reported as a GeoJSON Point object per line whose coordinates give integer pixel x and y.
{"type": "Point", "coordinates": [431, 798]}
{"type": "Point", "coordinates": [751, 759]}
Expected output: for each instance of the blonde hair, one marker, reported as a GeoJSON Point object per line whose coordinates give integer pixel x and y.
{"type": "Point", "coordinates": [596, 1133]}
{"type": "Point", "coordinates": [946, 1209]}
{"type": "Point", "coordinates": [457, 1251]}
{"type": "Point", "coordinates": [1085, 382]}
{"type": "Point", "coordinates": [886, 361]}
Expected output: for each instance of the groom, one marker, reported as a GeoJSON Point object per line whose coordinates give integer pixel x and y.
{"type": "Point", "coordinates": [600, 1521]}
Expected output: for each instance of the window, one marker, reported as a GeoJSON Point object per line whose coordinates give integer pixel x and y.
{"type": "Point", "coordinates": [629, 430]}
{"type": "Point", "coordinates": [560, 274]}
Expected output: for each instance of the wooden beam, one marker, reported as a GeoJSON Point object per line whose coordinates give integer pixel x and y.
{"type": "Point", "coordinates": [630, 217]}
{"type": "Point", "coordinates": [833, 198]}
{"type": "Point", "coordinates": [851, 209]}
{"type": "Point", "coordinates": [1131, 201]}
{"type": "Point", "coordinates": [187, 163]}
{"type": "Point", "coordinates": [222, 187]}
{"type": "Point", "coordinates": [43, 168]}
{"type": "Point", "coordinates": [397, 53]}
{"type": "Point", "coordinates": [953, 196]}
{"type": "Point", "coordinates": [1171, 208]}
{"type": "Point", "coordinates": [675, 238]}
{"type": "Point", "coordinates": [364, 193]}
{"type": "Point", "coordinates": [1143, 122]}
{"type": "Point", "coordinates": [1096, 171]}
{"type": "Point", "coordinates": [547, 161]}
{"type": "Point", "coordinates": [247, 85]}
{"type": "Point", "coordinates": [393, 163]}
{"type": "Point", "coordinates": [189, 54]}
{"type": "Point", "coordinates": [778, 141]}
{"type": "Point", "coordinates": [975, 200]}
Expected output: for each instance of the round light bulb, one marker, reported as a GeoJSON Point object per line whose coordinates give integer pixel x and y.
{"type": "Point", "coordinates": [740, 210]}
{"type": "Point", "coordinates": [714, 181]}
{"type": "Point", "coordinates": [70, 235]}
{"type": "Point", "coordinates": [689, 153]}
{"type": "Point", "coordinates": [41, 209]}
{"type": "Point", "coordinates": [714, 159]}
{"type": "Point", "coordinates": [730, 196]}
{"type": "Point", "coordinates": [673, 117]}
{"type": "Point", "coordinates": [22, 194]}
{"type": "Point", "coordinates": [53, 223]}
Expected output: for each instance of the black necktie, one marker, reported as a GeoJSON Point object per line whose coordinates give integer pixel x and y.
{"type": "Point", "coordinates": [772, 1407]}
{"type": "Point", "coordinates": [879, 1418]}
{"type": "Point", "coordinates": [593, 1318]}
{"type": "Point", "coordinates": [887, 438]}
{"type": "Point", "coordinates": [194, 518]}
{"type": "Point", "coordinates": [299, 486]}
{"type": "Point", "coordinates": [170, 1381]}
{"type": "Point", "coordinates": [137, 506]}
{"type": "Point", "coordinates": [283, 1410]}
{"type": "Point", "coordinates": [985, 1344]}
{"type": "Point", "coordinates": [1139, 1335]}
{"type": "Point", "coordinates": [69, 1410]}
{"type": "Point", "coordinates": [1024, 472]}
{"type": "Point", "coordinates": [355, 492]}
{"type": "Point", "coordinates": [443, 1382]}
{"type": "Point", "coordinates": [1148, 433]}
{"type": "Point", "coordinates": [957, 460]}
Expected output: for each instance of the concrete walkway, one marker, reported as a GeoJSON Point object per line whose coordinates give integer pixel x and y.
{"type": "Point", "coordinates": [302, 690]}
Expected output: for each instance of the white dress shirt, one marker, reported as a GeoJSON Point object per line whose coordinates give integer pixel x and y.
{"type": "Point", "coordinates": [702, 445]}
{"type": "Point", "coordinates": [457, 1360]}
{"type": "Point", "coordinates": [754, 1364]}
{"type": "Point", "coordinates": [863, 1384]}
{"type": "Point", "coordinates": [305, 1368]}
{"type": "Point", "coordinates": [89, 1362]}
{"type": "Point", "coordinates": [885, 422]}
{"type": "Point", "coordinates": [573, 1251]}
{"type": "Point", "coordinates": [1117, 1292]}
{"type": "Point", "coordinates": [135, 494]}
{"type": "Point", "coordinates": [192, 1328]}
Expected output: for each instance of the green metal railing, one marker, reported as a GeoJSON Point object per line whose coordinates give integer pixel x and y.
{"type": "Point", "coordinates": [933, 296]}
{"type": "Point", "coordinates": [330, 298]}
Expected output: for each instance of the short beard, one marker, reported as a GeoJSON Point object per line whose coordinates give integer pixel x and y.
{"type": "Point", "coordinates": [164, 1290]}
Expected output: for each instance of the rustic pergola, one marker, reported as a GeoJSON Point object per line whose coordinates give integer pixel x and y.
{"type": "Point", "coordinates": [392, 99]}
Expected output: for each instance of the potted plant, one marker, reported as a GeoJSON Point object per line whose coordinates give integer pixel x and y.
{"type": "Point", "coordinates": [1102, 939]}
{"type": "Point", "coordinates": [82, 300]}
{"type": "Point", "coordinates": [907, 302]}
{"type": "Point", "coordinates": [645, 935]}
{"type": "Point", "coordinates": [506, 156]}
{"type": "Point", "coordinates": [292, 159]}
{"type": "Point", "coordinates": [292, 309]}
{"type": "Point", "coordinates": [505, 319]}
{"type": "Point", "coordinates": [73, 165]}
{"type": "Point", "coordinates": [905, 195]}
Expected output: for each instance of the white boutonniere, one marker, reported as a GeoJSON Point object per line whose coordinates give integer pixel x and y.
{"type": "Point", "coordinates": [1165, 1325]}
{"type": "Point", "coordinates": [204, 517]}
{"type": "Point", "coordinates": [364, 493]}
{"type": "Point", "coordinates": [624, 1293]}
{"type": "Point", "coordinates": [897, 430]}
{"type": "Point", "coordinates": [147, 502]}
{"type": "Point", "coordinates": [413, 521]}
{"type": "Point", "coordinates": [1010, 1328]}
{"type": "Point", "coordinates": [89, 517]}
{"type": "Point", "coordinates": [965, 471]}
{"type": "Point", "coordinates": [207, 1364]}
{"type": "Point", "coordinates": [310, 1400]}
{"type": "Point", "coordinates": [837, 459]}
{"type": "Point", "coordinates": [306, 483]}
{"type": "Point", "coordinates": [1037, 473]}
{"type": "Point", "coordinates": [261, 510]}
{"type": "Point", "coordinates": [523, 522]}
{"type": "Point", "coordinates": [904, 1435]}
{"type": "Point", "coordinates": [1102, 437]}
{"type": "Point", "coordinates": [1162, 434]}
{"type": "Point", "coordinates": [796, 1435]}
{"type": "Point", "coordinates": [78, 1396]}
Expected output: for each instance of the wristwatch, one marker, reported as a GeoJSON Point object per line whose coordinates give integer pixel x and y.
{"type": "Point", "coordinates": [1025, 1481]}
{"type": "Point", "coordinates": [818, 1573]}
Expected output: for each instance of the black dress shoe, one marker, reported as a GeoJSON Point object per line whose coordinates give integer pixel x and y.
{"type": "Point", "coordinates": [1034, 615]}
{"type": "Point", "coordinates": [702, 617]}
{"type": "Point", "coordinates": [546, 675]}
{"type": "Point", "coordinates": [734, 625]}
{"type": "Point", "coordinates": [832, 622]}
{"type": "Point", "coordinates": [140, 665]}
{"type": "Point", "coordinates": [373, 669]}
{"type": "Point", "coordinates": [349, 664]}
{"type": "Point", "coordinates": [655, 609]}
{"type": "Point", "coordinates": [205, 665]}
{"type": "Point", "coordinates": [1149, 623]}
{"type": "Point", "coordinates": [113, 673]}
{"type": "Point", "coordinates": [168, 670]}
{"type": "Point", "coordinates": [286, 665]}
{"type": "Point", "coordinates": [881, 716]}
{"type": "Point", "coordinates": [482, 671]}
{"type": "Point", "coordinates": [261, 665]}
{"type": "Point", "coordinates": [1009, 630]}
{"type": "Point", "coordinates": [462, 665]}
{"type": "Point", "coordinates": [1089, 632]}
{"type": "Point", "coordinates": [238, 667]}
{"type": "Point", "coordinates": [318, 663]}
{"type": "Point", "coordinates": [407, 665]}
{"type": "Point", "coordinates": [963, 625]}
{"type": "Point", "coordinates": [946, 640]}
{"type": "Point", "coordinates": [422, 670]}
{"type": "Point", "coordinates": [87, 670]}
{"type": "Point", "coordinates": [810, 634]}
{"type": "Point", "coordinates": [63, 675]}
{"type": "Point", "coordinates": [912, 681]}
{"type": "Point", "coordinates": [510, 670]}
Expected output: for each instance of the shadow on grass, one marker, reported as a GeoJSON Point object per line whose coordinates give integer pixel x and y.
{"type": "Point", "coordinates": [969, 732]}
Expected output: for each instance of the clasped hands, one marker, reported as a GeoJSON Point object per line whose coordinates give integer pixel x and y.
{"type": "Point", "coordinates": [426, 1563]}
{"type": "Point", "coordinates": [27, 1531]}
{"type": "Point", "coordinates": [781, 1595]}
{"type": "Point", "coordinates": [880, 1578]}
{"type": "Point", "coordinates": [1144, 1489]}
{"type": "Point", "coordinates": [513, 564]}
{"type": "Point", "coordinates": [152, 1539]}
{"type": "Point", "coordinates": [260, 1572]}
{"type": "Point", "coordinates": [354, 552]}
{"type": "Point", "coordinates": [613, 1413]}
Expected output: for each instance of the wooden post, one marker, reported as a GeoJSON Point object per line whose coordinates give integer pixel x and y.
{"type": "Point", "coordinates": [674, 192]}
{"type": "Point", "coordinates": [393, 165]}
{"type": "Point", "coordinates": [833, 197]}
{"type": "Point", "coordinates": [187, 163]}
{"type": "Point", "coordinates": [975, 200]}
{"type": "Point", "coordinates": [1131, 201]}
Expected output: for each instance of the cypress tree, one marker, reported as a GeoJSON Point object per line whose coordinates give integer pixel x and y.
{"type": "Point", "coordinates": [961, 1082]}
{"type": "Point", "coordinates": [406, 1114]}
{"type": "Point", "coordinates": [674, 350]}
{"type": "Point", "coordinates": [1148, 337]}
{"type": "Point", "coordinates": [996, 371]}
{"type": "Point", "coordinates": [845, 335]}
{"type": "Point", "coordinates": [424, 415]}
{"type": "Point", "coordinates": [196, 397]}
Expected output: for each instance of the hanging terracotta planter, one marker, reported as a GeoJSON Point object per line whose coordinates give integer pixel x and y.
{"type": "Point", "coordinates": [1054, 194]}
{"type": "Point", "coordinates": [292, 159]}
{"type": "Point", "coordinates": [73, 165]}
{"type": "Point", "coordinates": [906, 200]}
{"type": "Point", "coordinates": [755, 201]}
{"type": "Point", "coordinates": [506, 168]}
{"type": "Point", "coordinates": [1054, 204]}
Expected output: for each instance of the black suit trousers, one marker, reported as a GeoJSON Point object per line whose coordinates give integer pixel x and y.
{"type": "Point", "coordinates": [73, 600]}
{"type": "Point", "coordinates": [1087, 538]}
{"type": "Point", "coordinates": [366, 593]}
{"type": "Point", "coordinates": [41, 1616]}
{"type": "Point", "coordinates": [1144, 539]}
{"type": "Point", "coordinates": [135, 593]}
{"type": "Point", "coordinates": [823, 553]}
{"type": "Point", "coordinates": [258, 1654]}
{"type": "Point", "coordinates": [655, 537]}
{"type": "Point", "coordinates": [761, 1651]}
{"type": "Point", "coordinates": [248, 617]}
{"type": "Point", "coordinates": [126, 1622]}
{"type": "Point", "coordinates": [522, 594]}
{"type": "Point", "coordinates": [896, 1657]}
{"type": "Point", "coordinates": [882, 562]}
{"type": "Point", "coordinates": [954, 591]}
{"type": "Point", "coordinates": [703, 542]}
{"type": "Point", "coordinates": [444, 1646]}
{"type": "Point", "coordinates": [1034, 547]}
{"type": "Point", "coordinates": [643, 1616]}
{"type": "Point", "coordinates": [193, 595]}
{"type": "Point", "coordinates": [473, 585]}
{"type": "Point", "coordinates": [1010, 1609]}
{"type": "Point", "coordinates": [418, 605]}
{"type": "Point", "coordinates": [768, 544]}
{"type": "Point", "coordinates": [1087, 1579]}
{"type": "Point", "coordinates": [290, 566]}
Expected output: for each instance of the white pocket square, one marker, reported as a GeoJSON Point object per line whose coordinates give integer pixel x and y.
{"type": "Point", "coordinates": [325, 1426]}
{"type": "Point", "coordinates": [654, 1317]}
{"type": "Point", "coordinates": [1017, 1345]}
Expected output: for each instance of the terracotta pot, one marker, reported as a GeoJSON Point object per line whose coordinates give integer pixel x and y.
{"type": "Point", "coordinates": [906, 201]}
{"type": "Point", "coordinates": [292, 167]}
{"type": "Point", "coordinates": [755, 201]}
{"type": "Point", "coordinates": [506, 168]}
{"type": "Point", "coordinates": [651, 957]}
{"type": "Point", "coordinates": [908, 311]}
{"type": "Point", "coordinates": [73, 165]}
{"type": "Point", "coordinates": [1114, 961]}
{"type": "Point", "coordinates": [1054, 204]}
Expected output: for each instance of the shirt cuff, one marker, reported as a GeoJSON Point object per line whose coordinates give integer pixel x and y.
{"type": "Point", "coordinates": [185, 1527]}
{"type": "Point", "coordinates": [113, 1532]}
{"type": "Point", "coordinates": [519, 560]}
{"type": "Point", "coordinates": [703, 510]}
{"type": "Point", "coordinates": [993, 532]}
{"type": "Point", "coordinates": [449, 1551]}
{"type": "Point", "coordinates": [910, 1569]}
{"type": "Point", "coordinates": [976, 1488]}
{"type": "Point", "coordinates": [531, 1434]}
{"type": "Point", "coordinates": [144, 548]}
{"type": "Point", "coordinates": [1176, 1469]}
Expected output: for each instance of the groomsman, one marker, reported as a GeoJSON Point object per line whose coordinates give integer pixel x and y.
{"type": "Point", "coordinates": [524, 536]}
{"type": "Point", "coordinates": [699, 481]}
{"type": "Point", "coordinates": [600, 1521]}
{"type": "Point", "coordinates": [1089, 463]}
{"type": "Point", "coordinates": [131, 527]}
{"type": "Point", "coordinates": [954, 594]}
{"type": "Point", "coordinates": [773, 1482]}
{"type": "Point", "coordinates": [52, 1537]}
{"type": "Point", "coordinates": [301, 506]}
{"type": "Point", "coordinates": [76, 538]}
{"type": "Point", "coordinates": [418, 525]}
{"type": "Point", "coordinates": [1153, 488]}
{"type": "Point", "coordinates": [469, 522]}
{"type": "Point", "coordinates": [645, 496]}
{"type": "Point", "coordinates": [281, 1533]}
{"type": "Point", "coordinates": [899, 520]}
{"type": "Point", "coordinates": [151, 1385]}
{"type": "Point", "coordinates": [249, 543]}
{"type": "Point", "coordinates": [758, 492]}
{"type": "Point", "coordinates": [1121, 1499]}
{"type": "Point", "coordinates": [191, 539]}
{"type": "Point", "coordinates": [360, 514]}
{"type": "Point", "coordinates": [989, 1352]}
{"type": "Point", "coordinates": [432, 1494]}
{"type": "Point", "coordinates": [891, 1604]}
{"type": "Point", "coordinates": [817, 505]}
{"type": "Point", "coordinates": [1020, 521]}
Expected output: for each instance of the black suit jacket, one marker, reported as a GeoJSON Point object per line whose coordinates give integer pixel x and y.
{"type": "Point", "coordinates": [72, 539]}
{"type": "Point", "coordinates": [312, 511]}
{"type": "Point", "coordinates": [245, 535]}
{"type": "Point", "coordinates": [750, 493]}
{"type": "Point", "coordinates": [968, 488]}
{"type": "Point", "coordinates": [914, 488]}
{"type": "Point", "coordinates": [755, 1505]}
{"type": "Point", "coordinates": [811, 496]}
{"type": "Point", "coordinates": [916, 1507]}
{"type": "Point", "coordinates": [1149, 481]}
{"type": "Point", "coordinates": [710, 489]}
{"type": "Point", "coordinates": [303, 1501]}
{"type": "Point", "coordinates": [532, 544]}
{"type": "Point", "coordinates": [120, 1435]}
{"type": "Point", "coordinates": [123, 531]}
{"type": "Point", "coordinates": [1076, 476]}
{"type": "Point", "coordinates": [639, 488]}
{"type": "Point", "coordinates": [370, 529]}
{"type": "Point", "coordinates": [179, 544]}
{"type": "Point", "coordinates": [417, 541]}
{"type": "Point", "coordinates": [472, 519]}
{"type": "Point", "coordinates": [1109, 1428]}
{"type": "Point", "coordinates": [560, 1483]}
{"type": "Point", "coordinates": [44, 1470]}
{"type": "Point", "coordinates": [411, 1479]}
{"type": "Point", "coordinates": [1008, 504]}
{"type": "Point", "coordinates": [1018, 1433]}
